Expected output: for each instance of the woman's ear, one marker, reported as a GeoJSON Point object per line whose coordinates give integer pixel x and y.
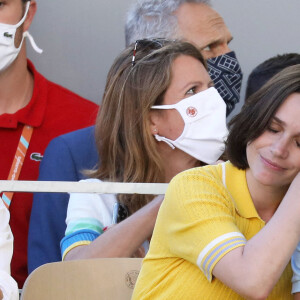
{"type": "Point", "coordinates": [154, 121]}
{"type": "Point", "coordinates": [30, 15]}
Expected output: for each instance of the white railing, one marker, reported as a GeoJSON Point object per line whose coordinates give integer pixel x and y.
{"type": "Point", "coordinates": [82, 187]}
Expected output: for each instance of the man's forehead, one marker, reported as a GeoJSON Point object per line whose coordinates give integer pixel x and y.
{"type": "Point", "coordinates": [201, 20]}
{"type": "Point", "coordinates": [203, 11]}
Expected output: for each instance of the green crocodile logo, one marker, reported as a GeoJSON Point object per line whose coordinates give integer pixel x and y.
{"type": "Point", "coordinates": [8, 35]}
{"type": "Point", "coordinates": [36, 156]}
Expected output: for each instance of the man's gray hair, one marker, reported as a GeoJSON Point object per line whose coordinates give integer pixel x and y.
{"type": "Point", "coordinates": [154, 19]}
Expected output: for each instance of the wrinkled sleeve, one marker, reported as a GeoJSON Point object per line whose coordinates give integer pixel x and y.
{"type": "Point", "coordinates": [199, 218]}
{"type": "Point", "coordinates": [8, 286]}
{"type": "Point", "coordinates": [87, 215]}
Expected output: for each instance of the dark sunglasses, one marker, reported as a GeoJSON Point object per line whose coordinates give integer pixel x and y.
{"type": "Point", "coordinates": [147, 43]}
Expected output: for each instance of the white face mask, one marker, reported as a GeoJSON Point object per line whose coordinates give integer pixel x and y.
{"type": "Point", "coordinates": [205, 131]}
{"type": "Point", "coordinates": [8, 51]}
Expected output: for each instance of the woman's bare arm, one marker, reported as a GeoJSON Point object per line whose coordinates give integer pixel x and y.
{"type": "Point", "coordinates": [253, 270]}
{"type": "Point", "coordinates": [123, 239]}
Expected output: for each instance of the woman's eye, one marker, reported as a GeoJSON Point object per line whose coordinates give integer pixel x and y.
{"type": "Point", "coordinates": [298, 144]}
{"type": "Point", "coordinates": [191, 91]}
{"type": "Point", "coordinates": [274, 130]}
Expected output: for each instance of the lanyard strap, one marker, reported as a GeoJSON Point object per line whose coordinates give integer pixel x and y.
{"type": "Point", "coordinates": [18, 161]}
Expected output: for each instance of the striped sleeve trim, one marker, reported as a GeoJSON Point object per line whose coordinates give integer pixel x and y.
{"type": "Point", "coordinates": [216, 249]}
{"type": "Point", "coordinates": [81, 243]}
{"type": "Point", "coordinates": [85, 224]}
{"type": "Point", "coordinates": [81, 237]}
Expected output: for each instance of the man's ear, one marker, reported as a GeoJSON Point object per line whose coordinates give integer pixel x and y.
{"type": "Point", "coordinates": [30, 15]}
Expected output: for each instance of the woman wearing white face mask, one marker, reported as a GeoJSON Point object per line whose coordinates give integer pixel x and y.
{"type": "Point", "coordinates": [160, 115]}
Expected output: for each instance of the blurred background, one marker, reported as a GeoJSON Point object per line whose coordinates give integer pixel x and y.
{"type": "Point", "coordinates": [81, 39]}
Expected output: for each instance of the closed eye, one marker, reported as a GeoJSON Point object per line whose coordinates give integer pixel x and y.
{"type": "Point", "coordinates": [273, 130]}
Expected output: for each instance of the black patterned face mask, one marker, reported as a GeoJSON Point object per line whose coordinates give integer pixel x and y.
{"type": "Point", "coordinates": [226, 73]}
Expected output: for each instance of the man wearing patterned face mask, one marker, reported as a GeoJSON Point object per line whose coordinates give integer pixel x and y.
{"type": "Point", "coordinates": [196, 22]}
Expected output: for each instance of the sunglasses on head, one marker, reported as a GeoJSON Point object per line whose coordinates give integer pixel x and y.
{"type": "Point", "coordinates": [147, 43]}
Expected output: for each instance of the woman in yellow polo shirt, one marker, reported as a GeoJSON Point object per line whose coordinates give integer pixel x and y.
{"type": "Point", "coordinates": [228, 231]}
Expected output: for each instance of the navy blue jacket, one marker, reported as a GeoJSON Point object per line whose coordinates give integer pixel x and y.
{"type": "Point", "coordinates": [64, 159]}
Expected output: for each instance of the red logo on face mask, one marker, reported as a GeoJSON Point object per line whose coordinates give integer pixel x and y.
{"type": "Point", "coordinates": [191, 111]}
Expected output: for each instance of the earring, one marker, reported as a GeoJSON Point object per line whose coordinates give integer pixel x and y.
{"type": "Point", "coordinates": [155, 131]}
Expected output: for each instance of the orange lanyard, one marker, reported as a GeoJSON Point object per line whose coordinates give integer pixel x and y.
{"type": "Point", "coordinates": [18, 161]}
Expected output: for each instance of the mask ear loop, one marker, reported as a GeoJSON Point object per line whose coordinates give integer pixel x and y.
{"type": "Point", "coordinates": [27, 34]}
{"type": "Point", "coordinates": [32, 42]}
{"type": "Point", "coordinates": [25, 15]}
{"type": "Point", "coordinates": [163, 139]}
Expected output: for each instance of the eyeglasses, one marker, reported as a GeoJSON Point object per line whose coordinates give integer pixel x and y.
{"type": "Point", "coordinates": [146, 43]}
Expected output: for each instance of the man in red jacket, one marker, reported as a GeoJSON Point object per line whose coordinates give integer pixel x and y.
{"type": "Point", "coordinates": [33, 111]}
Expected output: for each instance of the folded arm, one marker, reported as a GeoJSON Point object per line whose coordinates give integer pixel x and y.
{"type": "Point", "coordinates": [253, 270]}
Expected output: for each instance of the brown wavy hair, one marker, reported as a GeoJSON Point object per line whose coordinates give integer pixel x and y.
{"type": "Point", "coordinates": [127, 149]}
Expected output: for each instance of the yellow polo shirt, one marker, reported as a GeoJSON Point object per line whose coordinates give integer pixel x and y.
{"type": "Point", "coordinates": [206, 213]}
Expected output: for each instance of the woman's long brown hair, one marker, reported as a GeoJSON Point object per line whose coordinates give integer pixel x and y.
{"type": "Point", "coordinates": [127, 149]}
